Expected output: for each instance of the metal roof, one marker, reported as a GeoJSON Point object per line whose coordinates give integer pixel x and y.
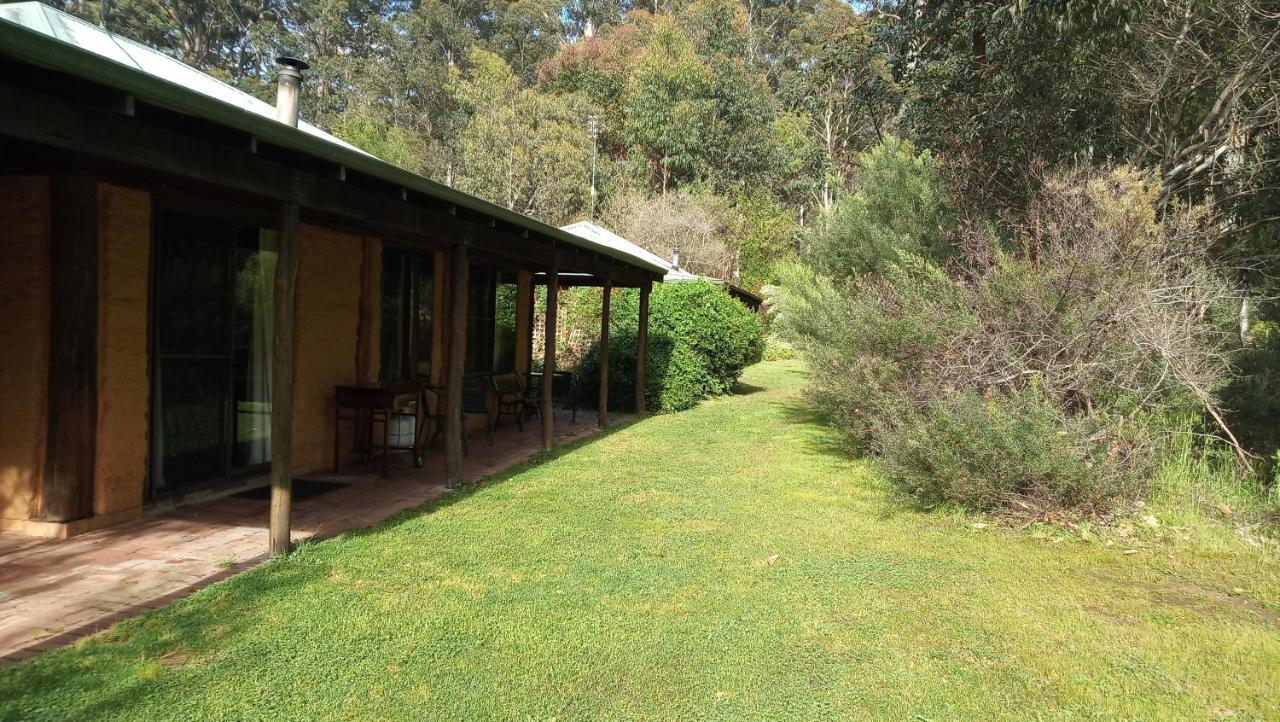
{"type": "Point", "coordinates": [604, 236]}
{"type": "Point", "coordinates": [41, 35]}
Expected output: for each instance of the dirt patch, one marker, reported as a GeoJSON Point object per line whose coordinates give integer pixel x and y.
{"type": "Point", "coordinates": [1201, 600]}
{"type": "Point", "coordinates": [1111, 615]}
{"type": "Point", "coordinates": [175, 659]}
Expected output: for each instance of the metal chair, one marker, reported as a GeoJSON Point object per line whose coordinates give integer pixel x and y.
{"type": "Point", "coordinates": [509, 399]}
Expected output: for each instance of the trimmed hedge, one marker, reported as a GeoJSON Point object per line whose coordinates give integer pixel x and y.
{"type": "Point", "coordinates": [700, 340]}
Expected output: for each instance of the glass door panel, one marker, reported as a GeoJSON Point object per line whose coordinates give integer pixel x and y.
{"type": "Point", "coordinates": [193, 366]}
{"type": "Point", "coordinates": [212, 306]}
{"type": "Point", "coordinates": [254, 264]}
{"type": "Point", "coordinates": [423, 302]}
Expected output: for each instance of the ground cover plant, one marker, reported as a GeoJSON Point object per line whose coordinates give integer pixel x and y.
{"type": "Point", "coordinates": [727, 562]}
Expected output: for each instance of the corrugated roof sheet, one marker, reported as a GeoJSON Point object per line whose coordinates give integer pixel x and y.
{"type": "Point", "coordinates": [151, 75]}
{"type": "Point", "coordinates": [75, 31]}
{"type": "Point", "coordinates": [604, 236]}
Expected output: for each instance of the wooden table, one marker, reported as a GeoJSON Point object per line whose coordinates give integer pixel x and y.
{"type": "Point", "coordinates": [382, 402]}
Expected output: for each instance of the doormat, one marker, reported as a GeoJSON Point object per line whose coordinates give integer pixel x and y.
{"type": "Point", "coordinates": [302, 489]}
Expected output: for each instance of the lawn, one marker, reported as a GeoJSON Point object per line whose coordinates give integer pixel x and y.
{"type": "Point", "coordinates": [725, 562]}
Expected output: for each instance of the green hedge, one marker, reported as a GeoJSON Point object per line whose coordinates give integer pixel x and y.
{"type": "Point", "coordinates": [700, 340]}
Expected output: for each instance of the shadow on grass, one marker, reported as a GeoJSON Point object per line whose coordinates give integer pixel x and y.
{"type": "Point", "coordinates": [187, 630]}
{"type": "Point", "coordinates": [214, 616]}
{"type": "Point", "coordinates": [821, 437]}
{"type": "Point", "coordinates": [489, 481]}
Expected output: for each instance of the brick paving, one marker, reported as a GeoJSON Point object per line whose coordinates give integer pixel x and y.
{"type": "Point", "coordinates": [53, 592]}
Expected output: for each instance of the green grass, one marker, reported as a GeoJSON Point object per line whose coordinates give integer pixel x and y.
{"type": "Point", "coordinates": [630, 577]}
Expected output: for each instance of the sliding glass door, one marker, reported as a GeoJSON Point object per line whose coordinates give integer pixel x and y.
{"type": "Point", "coordinates": [212, 350]}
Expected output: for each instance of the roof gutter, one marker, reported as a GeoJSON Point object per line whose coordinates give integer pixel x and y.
{"type": "Point", "coordinates": [34, 47]}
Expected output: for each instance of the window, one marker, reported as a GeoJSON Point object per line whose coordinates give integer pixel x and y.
{"type": "Point", "coordinates": [480, 320]}
{"type": "Point", "coordinates": [407, 314]}
{"type": "Point", "coordinates": [507, 300]}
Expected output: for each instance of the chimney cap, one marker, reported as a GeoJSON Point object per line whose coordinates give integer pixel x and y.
{"type": "Point", "coordinates": [288, 61]}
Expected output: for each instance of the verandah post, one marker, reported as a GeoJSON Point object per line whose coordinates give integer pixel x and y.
{"type": "Point", "coordinates": [642, 347]}
{"type": "Point", "coordinates": [603, 409]}
{"type": "Point", "coordinates": [282, 381]}
{"type": "Point", "coordinates": [458, 279]}
{"type": "Point", "coordinates": [549, 356]}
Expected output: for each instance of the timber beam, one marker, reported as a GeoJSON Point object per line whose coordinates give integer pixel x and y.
{"type": "Point", "coordinates": [127, 143]}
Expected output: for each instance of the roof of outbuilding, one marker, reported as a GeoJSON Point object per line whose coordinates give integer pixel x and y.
{"type": "Point", "coordinates": [44, 36]}
{"type": "Point", "coordinates": [604, 236]}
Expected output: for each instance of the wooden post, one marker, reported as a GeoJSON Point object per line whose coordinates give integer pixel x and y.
{"type": "Point", "coordinates": [282, 382]}
{"type": "Point", "coordinates": [602, 411]}
{"type": "Point", "coordinates": [549, 357]}
{"type": "Point", "coordinates": [524, 325]}
{"type": "Point", "coordinates": [67, 490]}
{"type": "Point", "coordinates": [642, 347]}
{"type": "Point", "coordinates": [457, 330]}
{"type": "Point", "coordinates": [533, 307]}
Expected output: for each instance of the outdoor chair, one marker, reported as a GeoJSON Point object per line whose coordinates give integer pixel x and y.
{"type": "Point", "coordinates": [509, 399]}
{"type": "Point", "coordinates": [533, 396]}
{"type": "Point", "coordinates": [473, 404]}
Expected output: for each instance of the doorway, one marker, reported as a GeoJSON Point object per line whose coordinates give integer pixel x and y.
{"type": "Point", "coordinates": [211, 371]}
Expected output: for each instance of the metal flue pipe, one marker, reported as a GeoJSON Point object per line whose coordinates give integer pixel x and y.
{"type": "Point", "coordinates": [288, 89]}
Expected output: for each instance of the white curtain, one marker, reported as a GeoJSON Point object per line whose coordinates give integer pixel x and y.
{"type": "Point", "coordinates": [257, 407]}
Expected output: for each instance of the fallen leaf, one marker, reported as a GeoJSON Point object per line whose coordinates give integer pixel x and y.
{"type": "Point", "coordinates": [771, 560]}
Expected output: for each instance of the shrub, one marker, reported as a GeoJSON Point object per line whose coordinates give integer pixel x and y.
{"type": "Point", "coordinates": [1017, 453]}
{"type": "Point", "coordinates": [1041, 370]}
{"type": "Point", "coordinates": [700, 340]}
{"type": "Point", "coordinates": [899, 205]}
{"type": "Point", "coordinates": [1253, 398]}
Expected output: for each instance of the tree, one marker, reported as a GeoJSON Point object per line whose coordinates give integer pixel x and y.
{"type": "Point", "coordinates": [668, 108]}
{"type": "Point", "coordinates": [847, 89]}
{"type": "Point", "coordinates": [528, 32]}
{"type": "Point", "coordinates": [521, 149]}
{"type": "Point", "coordinates": [994, 91]}
{"type": "Point", "coordinates": [900, 206]}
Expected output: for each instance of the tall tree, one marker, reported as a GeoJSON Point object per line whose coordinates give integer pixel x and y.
{"type": "Point", "coordinates": [526, 151]}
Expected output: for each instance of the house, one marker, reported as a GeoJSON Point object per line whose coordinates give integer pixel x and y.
{"type": "Point", "coordinates": [674, 273]}
{"type": "Point", "coordinates": [191, 273]}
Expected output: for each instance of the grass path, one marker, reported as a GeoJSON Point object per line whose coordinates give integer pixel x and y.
{"type": "Point", "coordinates": [720, 563]}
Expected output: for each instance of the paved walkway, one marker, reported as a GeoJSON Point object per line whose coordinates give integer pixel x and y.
{"type": "Point", "coordinates": [53, 592]}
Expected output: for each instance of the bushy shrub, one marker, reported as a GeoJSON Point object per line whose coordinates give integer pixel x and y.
{"type": "Point", "coordinates": [700, 340]}
{"type": "Point", "coordinates": [1253, 398]}
{"type": "Point", "coordinates": [899, 204]}
{"type": "Point", "coordinates": [1033, 372]}
{"type": "Point", "coordinates": [1017, 452]}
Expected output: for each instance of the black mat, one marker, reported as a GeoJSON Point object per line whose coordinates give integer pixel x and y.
{"type": "Point", "coordinates": [302, 489]}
